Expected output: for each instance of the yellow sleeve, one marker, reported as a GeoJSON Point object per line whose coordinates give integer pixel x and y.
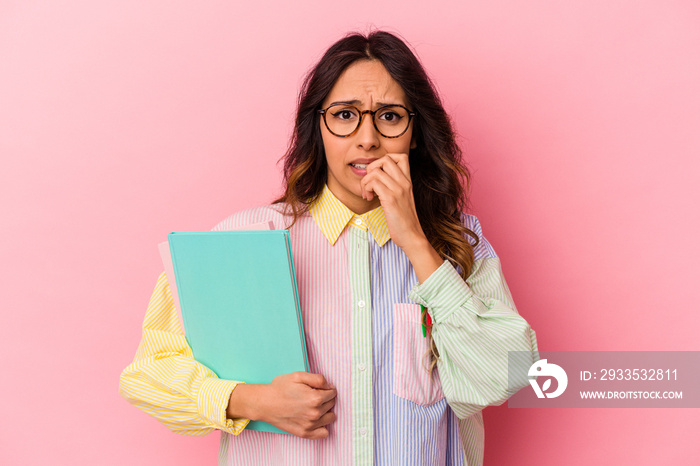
{"type": "Point", "coordinates": [166, 382]}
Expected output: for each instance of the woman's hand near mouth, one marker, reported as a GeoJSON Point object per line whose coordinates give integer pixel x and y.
{"type": "Point", "coordinates": [389, 179]}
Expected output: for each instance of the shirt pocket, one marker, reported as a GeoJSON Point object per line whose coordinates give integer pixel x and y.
{"type": "Point", "coordinates": [411, 358]}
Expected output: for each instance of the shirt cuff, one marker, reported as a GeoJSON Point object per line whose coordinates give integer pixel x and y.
{"type": "Point", "coordinates": [442, 293]}
{"type": "Point", "coordinates": [212, 401]}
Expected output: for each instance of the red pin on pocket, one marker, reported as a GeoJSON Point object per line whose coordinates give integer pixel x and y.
{"type": "Point", "coordinates": [426, 321]}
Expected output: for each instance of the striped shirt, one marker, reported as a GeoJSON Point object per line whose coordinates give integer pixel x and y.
{"type": "Point", "coordinates": [360, 300]}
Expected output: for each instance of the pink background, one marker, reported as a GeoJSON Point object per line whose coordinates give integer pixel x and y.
{"type": "Point", "coordinates": [121, 121]}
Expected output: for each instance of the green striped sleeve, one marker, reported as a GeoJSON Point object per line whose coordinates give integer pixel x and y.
{"type": "Point", "coordinates": [475, 325]}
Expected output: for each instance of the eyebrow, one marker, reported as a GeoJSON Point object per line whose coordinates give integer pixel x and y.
{"type": "Point", "coordinates": [357, 102]}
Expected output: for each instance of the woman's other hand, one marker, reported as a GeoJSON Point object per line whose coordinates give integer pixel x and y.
{"type": "Point", "coordinates": [299, 403]}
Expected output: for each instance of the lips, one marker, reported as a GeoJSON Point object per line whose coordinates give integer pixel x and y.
{"type": "Point", "coordinates": [359, 166]}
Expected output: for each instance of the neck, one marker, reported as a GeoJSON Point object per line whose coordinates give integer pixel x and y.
{"type": "Point", "coordinates": [360, 208]}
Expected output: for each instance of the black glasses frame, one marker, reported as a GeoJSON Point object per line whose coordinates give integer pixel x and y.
{"type": "Point", "coordinates": [362, 114]}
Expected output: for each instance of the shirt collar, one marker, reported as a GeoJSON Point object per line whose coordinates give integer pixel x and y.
{"type": "Point", "coordinates": [332, 216]}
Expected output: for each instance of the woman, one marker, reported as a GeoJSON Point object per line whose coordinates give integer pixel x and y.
{"type": "Point", "coordinates": [374, 204]}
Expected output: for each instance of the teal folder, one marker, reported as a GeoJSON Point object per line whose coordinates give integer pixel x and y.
{"type": "Point", "coordinates": [240, 304]}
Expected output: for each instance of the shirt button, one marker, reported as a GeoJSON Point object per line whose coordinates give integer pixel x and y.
{"type": "Point", "coordinates": [363, 431]}
{"type": "Point", "coordinates": [361, 304]}
{"type": "Point", "coordinates": [361, 367]}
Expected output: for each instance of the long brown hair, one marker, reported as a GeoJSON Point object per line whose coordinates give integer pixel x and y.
{"type": "Point", "coordinates": [440, 180]}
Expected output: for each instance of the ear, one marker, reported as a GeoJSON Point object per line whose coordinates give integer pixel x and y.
{"type": "Point", "coordinates": [414, 144]}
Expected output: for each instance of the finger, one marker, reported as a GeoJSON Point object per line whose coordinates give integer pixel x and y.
{"type": "Point", "coordinates": [368, 183]}
{"type": "Point", "coordinates": [386, 171]}
{"type": "Point", "coordinates": [396, 164]}
{"type": "Point", "coordinates": [401, 161]}
{"type": "Point", "coordinates": [326, 419]}
{"type": "Point", "coordinates": [327, 395]}
{"type": "Point", "coordinates": [382, 192]}
{"type": "Point", "coordinates": [313, 380]}
{"type": "Point", "coordinates": [327, 406]}
{"type": "Point", "coordinates": [318, 429]}
{"type": "Point", "coordinates": [378, 179]}
{"type": "Point", "coordinates": [367, 192]}
{"type": "Point", "coordinates": [391, 168]}
{"type": "Point", "coordinates": [317, 434]}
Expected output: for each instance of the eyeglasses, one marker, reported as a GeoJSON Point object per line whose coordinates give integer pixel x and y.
{"type": "Point", "coordinates": [343, 120]}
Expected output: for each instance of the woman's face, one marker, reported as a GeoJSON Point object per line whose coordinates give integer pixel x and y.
{"type": "Point", "coordinates": [367, 85]}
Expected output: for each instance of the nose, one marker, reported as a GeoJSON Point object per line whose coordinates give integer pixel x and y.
{"type": "Point", "coordinates": [367, 135]}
